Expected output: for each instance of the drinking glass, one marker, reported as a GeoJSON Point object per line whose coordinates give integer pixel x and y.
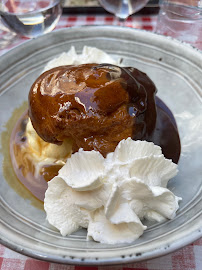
{"type": "Point", "coordinates": [6, 37]}
{"type": "Point", "coordinates": [182, 20]}
{"type": "Point", "coordinates": [122, 9]}
{"type": "Point", "coordinates": [30, 18]}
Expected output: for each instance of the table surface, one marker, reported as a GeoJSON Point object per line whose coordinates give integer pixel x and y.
{"type": "Point", "coordinates": [187, 258]}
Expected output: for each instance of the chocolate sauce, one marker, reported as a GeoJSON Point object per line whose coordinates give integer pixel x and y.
{"type": "Point", "coordinates": [141, 103]}
{"type": "Point", "coordinates": [166, 134]}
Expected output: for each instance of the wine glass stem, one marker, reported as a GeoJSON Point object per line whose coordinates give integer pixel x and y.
{"type": "Point", "coordinates": [121, 21]}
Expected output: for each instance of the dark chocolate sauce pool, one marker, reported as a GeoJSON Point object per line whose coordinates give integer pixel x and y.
{"type": "Point", "coordinates": [166, 133]}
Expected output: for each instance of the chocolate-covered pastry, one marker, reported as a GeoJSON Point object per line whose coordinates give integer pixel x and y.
{"type": "Point", "coordinates": [96, 105]}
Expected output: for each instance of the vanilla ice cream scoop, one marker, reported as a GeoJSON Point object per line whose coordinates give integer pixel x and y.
{"type": "Point", "coordinates": [110, 196]}
{"type": "Point", "coordinates": [42, 150]}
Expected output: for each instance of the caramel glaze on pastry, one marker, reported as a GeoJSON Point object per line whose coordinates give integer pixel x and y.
{"type": "Point", "coordinates": [97, 105]}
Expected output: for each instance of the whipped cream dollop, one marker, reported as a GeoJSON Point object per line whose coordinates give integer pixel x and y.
{"type": "Point", "coordinates": [111, 196]}
{"type": "Point", "coordinates": [88, 55]}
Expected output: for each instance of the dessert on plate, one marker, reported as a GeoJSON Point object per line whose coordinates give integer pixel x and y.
{"type": "Point", "coordinates": [100, 145]}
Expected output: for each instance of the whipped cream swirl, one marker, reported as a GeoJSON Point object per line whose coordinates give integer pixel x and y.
{"type": "Point", "coordinates": [110, 196]}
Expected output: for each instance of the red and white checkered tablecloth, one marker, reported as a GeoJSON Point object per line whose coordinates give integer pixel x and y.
{"type": "Point", "coordinates": [187, 258]}
{"type": "Point", "coordinates": [140, 22]}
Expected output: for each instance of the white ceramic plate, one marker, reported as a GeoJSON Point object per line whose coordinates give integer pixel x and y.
{"type": "Point", "coordinates": [176, 69]}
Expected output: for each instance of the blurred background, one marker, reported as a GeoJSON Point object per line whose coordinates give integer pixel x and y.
{"type": "Point", "coordinates": [93, 6]}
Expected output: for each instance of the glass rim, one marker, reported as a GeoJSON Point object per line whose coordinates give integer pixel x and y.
{"type": "Point", "coordinates": [185, 3]}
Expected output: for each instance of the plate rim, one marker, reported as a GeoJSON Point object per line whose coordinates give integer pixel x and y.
{"type": "Point", "coordinates": [160, 252]}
